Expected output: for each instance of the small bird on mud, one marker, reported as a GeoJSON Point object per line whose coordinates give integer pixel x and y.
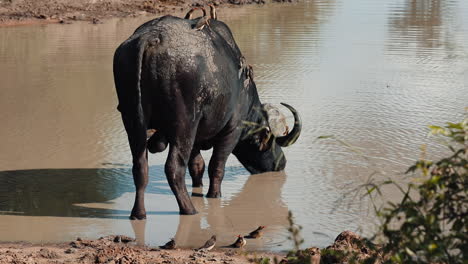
{"type": "Point", "coordinates": [203, 21]}
{"type": "Point", "coordinates": [169, 245]}
{"type": "Point", "coordinates": [190, 13]}
{"type": "Point", "coordinates": [240, 242]}
{"type": "Point", "coordinates": [96, 21]}
{"type": "Point", "coordinates": [213, 12]}
{"type": "Point", "coordinates": [209, 245]}
{"type": "Point", "coordinates": [256, 233]}
{"type": "Point", "coordinates": [123, 239]}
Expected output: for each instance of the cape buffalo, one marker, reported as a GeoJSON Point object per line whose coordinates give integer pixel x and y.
{"type": "Point", "coordinates": [194, 88]}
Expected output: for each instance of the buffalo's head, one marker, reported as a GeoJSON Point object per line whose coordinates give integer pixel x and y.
{"type": "Point", "coordinates": [260, 147]}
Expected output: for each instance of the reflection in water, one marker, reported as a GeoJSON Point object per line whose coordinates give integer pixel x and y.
{"type": "Point", "coordinates": [57, 192]}
{"type": "Point", "coordinates": [422, 20]}
{"type": "Point", "coordinates": [276, 40]}
{"type": "Point", "coordinates": [258, 203]}
{"type": "Point", "coordinates": [57, 97]}
{"type": "Point", "coordinates": [139, 228]}
{"type": "Point", "coordinates": [424, 47]}
{"type": "Point", "coordinates": [424, 23]}
{"type": "Point", "coordinates": [75, 193]}
{"type": "Point", "coordinates": [241, 214]}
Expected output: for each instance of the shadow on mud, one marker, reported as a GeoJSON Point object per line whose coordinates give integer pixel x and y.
{"type": "Point", "coordinates": [59, 192]}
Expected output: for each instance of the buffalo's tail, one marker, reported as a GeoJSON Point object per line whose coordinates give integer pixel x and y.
{"type": "Point", "coordinates": [128, 68]}
{"type": "Point", "coordinates": [141, 46]}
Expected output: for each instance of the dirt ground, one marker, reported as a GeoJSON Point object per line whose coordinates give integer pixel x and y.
{"type": "Point", "coordinates": [122, 249]}
{"type": "Point", "coordinates": [116, 249]}
{"type": "Point", "coordinates": [17, 12]}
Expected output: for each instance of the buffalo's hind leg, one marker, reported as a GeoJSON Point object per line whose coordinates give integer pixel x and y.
{"type": "Point", "coordinates": [196, 168]}
{"type": "Point", "coordinates": [176, 165]}
{"type": "Point", "coordinates": [137, 139]}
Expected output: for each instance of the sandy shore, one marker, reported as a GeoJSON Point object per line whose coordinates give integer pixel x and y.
{"type": "Point", "coordinates": [21, 12]}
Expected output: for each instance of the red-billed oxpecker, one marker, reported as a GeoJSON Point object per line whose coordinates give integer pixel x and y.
{"type": "Point", "coordinates": [190, 13]}
{"type": "Point", "coordinates": [213, 12]}
{"type": "Point", "coordinates": [203, 21]}
{"type": "Point", "coordinates": [169, 245]}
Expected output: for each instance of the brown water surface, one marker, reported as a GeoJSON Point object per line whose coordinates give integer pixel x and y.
{"type": "Point", "coordinates": [372, 73]}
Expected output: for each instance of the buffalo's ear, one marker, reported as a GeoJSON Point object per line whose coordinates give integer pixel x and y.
{"type": "Point", "coordinates": [266, 139]}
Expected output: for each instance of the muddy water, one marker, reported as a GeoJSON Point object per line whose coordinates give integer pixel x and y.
{"type": "Point", "coordinates": [372, 74]}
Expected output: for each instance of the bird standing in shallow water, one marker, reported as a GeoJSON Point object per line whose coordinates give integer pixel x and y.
{"type": "Point", "coordinates": [203, 21]}
{"type": "Point", "coordinates": [256, 233]}
{"type": "Point", "coordinates": [169, 245]}
{"type": "Point", "coordinates": [209, 244]}
{"type": "Point", "coordinates": [190, 12]}
{"type": "Point", "coordinates": [213, 12]}
{"type": "Point", "coordinates": [240, 242]}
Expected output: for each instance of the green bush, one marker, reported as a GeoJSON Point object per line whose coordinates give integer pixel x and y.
{"type": "Point", "coordinates": [429, 224]}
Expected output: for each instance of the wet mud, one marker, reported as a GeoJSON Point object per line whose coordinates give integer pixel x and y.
{"type": "Point", "coordinates": [115, 249]}
{"type": "Point", "coordinates": [123, 249]}
{"type": "Point", "coordinates": [21, 12]}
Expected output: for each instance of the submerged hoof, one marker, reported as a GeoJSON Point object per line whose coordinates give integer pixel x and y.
{"type": "Point", "coordinates": [197, 184]}
{"type": "Point", "coordinates": [188, 212]}
{"type": "Point", "coordinates": [213, 195]}
{"type": "Point", "coordinates": [138, 216]}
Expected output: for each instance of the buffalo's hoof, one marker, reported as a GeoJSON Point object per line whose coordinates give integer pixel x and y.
{"type": "Point", "coordinates": [138, 216]}
{"type": "Point", "coordinates": [188, 212]}
{"type": "Point", "coordinates": [197, 184]}
{"type": "Point", "coordinates": [213, 195]}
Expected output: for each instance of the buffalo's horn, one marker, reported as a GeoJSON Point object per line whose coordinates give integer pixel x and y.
{"type": "Point", "coordinates": [290, 138]}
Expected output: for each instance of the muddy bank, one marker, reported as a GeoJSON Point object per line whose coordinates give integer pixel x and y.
{"type": "Point", "coordinates": [122, 249]}
{"type": "Point", "coordinates": [17, 12]}
{"type": "Point", "coordinates": [117, 249]}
